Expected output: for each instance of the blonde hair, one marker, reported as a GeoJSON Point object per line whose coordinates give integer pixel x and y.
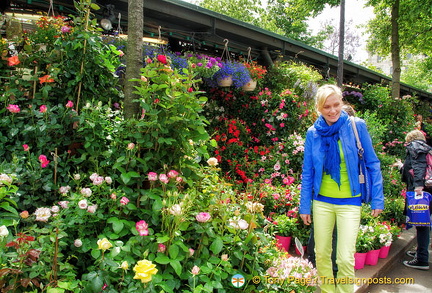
{"type": "Point", "coordinates": [414, 135]}
{"type": "Point", "coordinates": [324, 92]}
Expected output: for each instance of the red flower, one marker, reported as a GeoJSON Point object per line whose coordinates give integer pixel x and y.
{"type": "Point", "coordinates": [162, 59]}
{"type": "Point", "coordinates": [14, 60]}
{"type": "Point", "coordinates": [45, 78]}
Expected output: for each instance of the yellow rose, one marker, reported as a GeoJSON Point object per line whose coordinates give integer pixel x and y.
{"type": "Point", "coordinates": [124, 265]}
{"type": "Point", "coordinates": [104, 244]}
{"type": "Point", "coordinates": [144, 270]}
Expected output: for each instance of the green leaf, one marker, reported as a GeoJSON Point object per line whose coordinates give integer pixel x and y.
{"type": "Point", "coordinates": [175, 264]}
{"type": "Point", "coordinates": [173, 251]}
{"type": "Point", "coordinates": [162, 259]}
{"type": "Point", "coordinates": [216, 246]}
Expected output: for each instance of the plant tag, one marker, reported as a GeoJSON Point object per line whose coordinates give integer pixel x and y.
{"type": "Point", "coordinates": [361, 178]}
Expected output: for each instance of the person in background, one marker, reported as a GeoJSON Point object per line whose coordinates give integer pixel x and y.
{"type": "Point", "coordinates": [331, 187]}
{"type": "Point", "coordinates": [413, 172]}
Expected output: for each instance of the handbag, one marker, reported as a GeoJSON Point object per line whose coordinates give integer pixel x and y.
{"type": "Point", "coordinates": [364, 176]}
{"type": "Point", "coordinates": [418, 213]}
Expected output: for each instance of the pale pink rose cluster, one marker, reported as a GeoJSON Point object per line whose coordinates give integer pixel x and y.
{"type": "Point", "coordinates": [64, 189]}
{"type": "Point", "coordinates": [42, 214]}
{"type": "Point", "coordinates": [98, 180]}
{"type": "Point", "coordinates": [142, 228]}
{"type": "Point", "coordinates": [165, 178]}
{"type": "Point", "coordinates": [85, 205]}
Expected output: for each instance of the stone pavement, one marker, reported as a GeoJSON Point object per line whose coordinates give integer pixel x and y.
{"type": "Point", "coordinates": [396, 254]}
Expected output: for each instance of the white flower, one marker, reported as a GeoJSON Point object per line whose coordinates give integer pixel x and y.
{"type": "Point", "coordinates": [55, 209]}
{"type": "Point", "coordinates": [64, 189]}
{"type": "Point", "coordinates": [86, 192]}
{"type": "Point", "coordinates": [42, 214]}
{"type": "Point", "coordinates": [4, 232]}
{"type": "Point", "coordinates": [92, 209]}
{"type": "Point", "coordinates": [78, 243]}
{"type": "Point", "coordinates": [5, 178]}
{"type": "Point", "coordinates": [212, 162]}
{"type": "Point", "coordinates": [176, 210]}
{"type": "Point", "coordinates": [77, 176]}
{"type": "Point", "coordinates": [98, 180]}
{"type": "Point", "coordinates": [82, 204]}
{"type": "Point", "coordinates": [108, 180]}
{"type": "Point", "coordinates": [93, 176]}
{"type": "Point", "coordinates": [243, 224]}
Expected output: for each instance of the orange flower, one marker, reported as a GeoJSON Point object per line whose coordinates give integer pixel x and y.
{"type": "Point", "coordinates": [46, 78]}
{"type": "Point", "coordinates": [14, 60]}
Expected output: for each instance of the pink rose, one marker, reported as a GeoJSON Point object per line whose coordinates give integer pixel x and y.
{"type": "Point", "coordinates": [203, 217]}
{"type": "Point", "coordinates": [43, 109]}
{"type": "Point", "coordinates": [13, 108]}
{"type": "Point", "coordinates": [152, 176]}
{"type": "Point", "coordinates": [124, 201]}
{"type": "Point", "coordinates": [163, 178]}
{"type": "Point", "coordinates": [69, 104]}
{"type": "Point", "coordinates": [26, 147]}
{"type": "Point", "coordinates": [142, 228]}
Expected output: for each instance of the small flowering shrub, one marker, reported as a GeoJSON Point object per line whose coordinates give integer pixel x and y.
{"type": "Point", "coordinates": [287, 273]}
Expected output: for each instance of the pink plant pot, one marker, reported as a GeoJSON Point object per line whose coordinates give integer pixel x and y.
{"type": "Point", "coordinates": [372, 257]}
{"type": "Point", "coordinates": [360, 258]}
{"type": "Point", "coordinates": [384, 251]}
{"type": "Point", "coordinates": [283, 242]}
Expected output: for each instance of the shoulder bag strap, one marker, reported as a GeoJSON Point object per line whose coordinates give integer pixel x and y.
{"type": "Point", "coordinates": [359, 147]}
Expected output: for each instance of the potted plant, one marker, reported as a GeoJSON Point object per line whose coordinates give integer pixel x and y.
{"type": "Point", "coordinates": [231, 70]}
{"type": "Point", "coordinates": [283, 228]}
{"type": "Point", "coordinates": [302, 233]}
{"type": "Point", "coordinates": [256, 73]}
{"type": "Point", "coordinates": [203, 65]}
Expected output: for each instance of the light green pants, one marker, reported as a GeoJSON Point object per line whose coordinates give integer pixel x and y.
{"type": "Point", "coordinates": [347, 221]}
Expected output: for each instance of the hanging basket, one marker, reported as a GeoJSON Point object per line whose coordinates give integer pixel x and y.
{"type": "Point", "coordinates": [225, 82]}
{"type": "Point", "coordinates": [250, 85]}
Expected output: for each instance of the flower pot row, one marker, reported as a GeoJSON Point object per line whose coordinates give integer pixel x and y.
{"type": "Point", "coordinates": [371, 257]}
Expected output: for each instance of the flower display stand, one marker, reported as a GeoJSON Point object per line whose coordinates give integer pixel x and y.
{"type": "Point", "coordinates": [360, 259]}
{"type": "Point", "coordinates": [372, 257]}
{"type": "Point", "coordinates": [284, 242]}
{"type": "Point", "coordinates": [250, 86]}
{"type": "Point", "coordinates": [225, 82]}
{"type": "Point", "coordinates": [384, 251]}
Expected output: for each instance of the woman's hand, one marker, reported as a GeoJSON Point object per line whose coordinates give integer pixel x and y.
{"type": "Point", "coordinates": [376, 212]}
{"type": "Point", "coordinates": [306, 219]}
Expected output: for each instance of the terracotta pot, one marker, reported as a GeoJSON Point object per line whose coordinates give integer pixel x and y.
{"type": "Point", "coordinates": [225, 82]}
{"type": "Point", "coordinates": [283, 242]}
{"type": "Point", "coordinates": [372, 257]}
{"type": "Point", "coordinates": [250, 86]}
{"type": "Point", "coordinates": [384, 251]}
{"type": "Point", "coordinates": [360, 258]}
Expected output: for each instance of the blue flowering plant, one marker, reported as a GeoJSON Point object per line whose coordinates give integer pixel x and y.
{"type": "Point", "coordinates": [238, 72]}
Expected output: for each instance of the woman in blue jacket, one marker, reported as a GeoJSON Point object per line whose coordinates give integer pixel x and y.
{"type": "Point", "coordinates": [331, 187]}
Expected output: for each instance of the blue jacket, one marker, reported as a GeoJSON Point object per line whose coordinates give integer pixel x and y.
{"type": "Point", "coordinates": [314, 160]}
